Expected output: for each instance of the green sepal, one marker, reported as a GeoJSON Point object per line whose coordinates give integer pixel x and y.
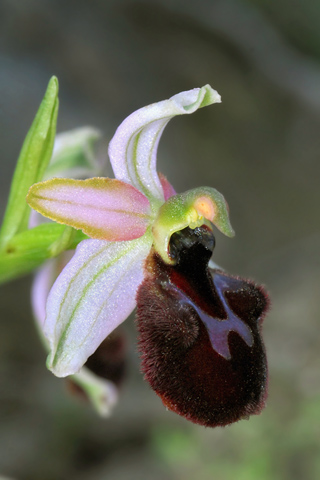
{"type": "Point", "coordinates": [181, 211]}
{"type": "Point", "coordinates": [33, 160]}
{"type": "Point", "coordinates": [29, 249]}
{"type": "Point", "coordinates": [101, 392]}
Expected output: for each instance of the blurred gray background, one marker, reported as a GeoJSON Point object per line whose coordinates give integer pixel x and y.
{"type": "Point", "coordinates": [260, 148]}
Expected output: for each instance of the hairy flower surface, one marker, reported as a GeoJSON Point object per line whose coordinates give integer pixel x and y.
{"type": "Point", "coordinates": [199, 328]}
{"type": "Point", "coordinates": [199, 334]}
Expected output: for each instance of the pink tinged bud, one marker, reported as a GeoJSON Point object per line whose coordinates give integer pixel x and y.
{"type": "Point", "coordinates": [103, 208]}
{"type": "Point", "coordinates": [199, 334]}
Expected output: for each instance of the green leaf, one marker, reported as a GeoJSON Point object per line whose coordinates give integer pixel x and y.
{"type": "Point", "coordinates": [29, 249]}
{"type": "Point", "coordinates": [33, 160]}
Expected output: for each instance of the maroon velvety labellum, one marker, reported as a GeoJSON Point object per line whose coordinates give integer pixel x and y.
{"type": "Point", "coordinates": [199, 334]}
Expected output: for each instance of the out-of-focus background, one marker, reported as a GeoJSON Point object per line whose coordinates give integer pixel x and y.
{"type": "Point", "coordinates": [260, 147]}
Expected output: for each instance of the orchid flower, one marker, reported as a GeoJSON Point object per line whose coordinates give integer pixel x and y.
{"type": "Point", "coordinates": [199, 328]}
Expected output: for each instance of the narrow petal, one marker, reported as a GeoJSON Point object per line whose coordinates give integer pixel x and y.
{"type": "Point", "coordinates": [94, 294]}
{"type": "Point", "coordinates": [133, 148]}
{"type": "Point", "coordinates": [103, 208]}
{"type": "Point", "coordinates": [168, 190]}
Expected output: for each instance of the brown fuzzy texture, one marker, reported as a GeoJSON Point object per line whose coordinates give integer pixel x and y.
{"type": "Point", "coordinates": [177, 356]}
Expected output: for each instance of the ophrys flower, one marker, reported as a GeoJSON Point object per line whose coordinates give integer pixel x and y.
{"type": "Point", "coordinates": [133, 221]}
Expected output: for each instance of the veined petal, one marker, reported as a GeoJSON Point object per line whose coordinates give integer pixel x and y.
{"type": "Point", "coordinates": [101, 392]}
{"type": "Point", "coordinates": [94, 294]}
{"type": "Point", "coordinates": [103, 208]}
{"type": "Point", "coordinates": [133, 148]}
